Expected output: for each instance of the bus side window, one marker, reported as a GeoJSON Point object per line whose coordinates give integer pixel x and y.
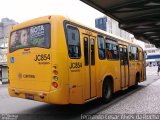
{"type": "Point", "coordinates": [133, 54]}
{"type": "Point", "coordinates": [140, 55]}
{"type": "Point", "coordinates": [92, 52]}
{"type": "Point", "coordinates": [86, 51]}
{"type": "Point", "coordinates": [137, 54]}
{"type": "Point", "coordinates": [125, 56]}
{"type": "Point", "coordinates": [112, 51]}
{"type": "Point", "coordinates": [73, 41]}
{"type": "Point", "coordinates": [101, 48]}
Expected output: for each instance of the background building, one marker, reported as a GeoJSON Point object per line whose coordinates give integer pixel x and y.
{"type": "Point", "coordinates": [101, 23]}
{"type": "Point", "coordinates": [153, 54]}
{"type": "Point", "coordinates": [5, 25]}
{"type": "Point", "coordinates": [110, 25]}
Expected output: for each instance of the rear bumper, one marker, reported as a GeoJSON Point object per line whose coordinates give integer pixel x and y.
{"type": "Point", "coordinates": [58, 96]}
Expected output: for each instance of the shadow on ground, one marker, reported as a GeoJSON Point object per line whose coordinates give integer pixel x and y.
{"type": "Point", "coordinates": [49, 111]}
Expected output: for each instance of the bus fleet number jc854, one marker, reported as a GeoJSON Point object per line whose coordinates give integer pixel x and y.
{"type": "Point", "coordinates": [42, 57]}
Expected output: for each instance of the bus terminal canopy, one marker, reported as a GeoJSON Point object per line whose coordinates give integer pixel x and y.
{"type": "Point", "coordinates": [139, 17]}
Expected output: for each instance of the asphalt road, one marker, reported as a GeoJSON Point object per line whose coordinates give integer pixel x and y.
{"type": "Point", "coordinates": [143, 99]}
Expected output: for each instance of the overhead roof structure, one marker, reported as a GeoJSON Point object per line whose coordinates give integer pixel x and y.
{"type": "Point", "coordinates": [139, 17]}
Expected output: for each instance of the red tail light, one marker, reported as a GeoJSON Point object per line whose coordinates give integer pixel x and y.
{"type": "Point", "coordinates": [55, 85]}
{"type": "Point", "coordinates": [55, 72]}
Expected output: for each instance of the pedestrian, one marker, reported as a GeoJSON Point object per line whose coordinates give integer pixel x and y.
{"type": "Point", "coordinates": [158, 68]}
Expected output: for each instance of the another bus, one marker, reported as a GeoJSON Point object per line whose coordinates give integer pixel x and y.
{"type": "Point", "coordinates": [55, 60]}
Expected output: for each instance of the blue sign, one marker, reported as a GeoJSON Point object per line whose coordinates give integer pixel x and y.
{"type": "Point", "coordinates": [12, 59]}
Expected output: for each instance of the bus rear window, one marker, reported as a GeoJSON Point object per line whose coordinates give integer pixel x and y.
{"type": "Point", "coordinates": [34, 36]}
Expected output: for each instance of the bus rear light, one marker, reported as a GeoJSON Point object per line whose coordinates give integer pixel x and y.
{"type": "Point", "coordinates": [16, 92]}
{"type": "Point", "coordinates": [55, 72]}
{"type": "Point", "coordinates": [55, 67]}
{"type": "Point", "coordinates": [42, 95]}
{"type": "Point", "coordinates": [55, 78]}
{"type": "Point", "coordinates": [55, 85]}
{"type": "Point", "coordinates": [13, 90]}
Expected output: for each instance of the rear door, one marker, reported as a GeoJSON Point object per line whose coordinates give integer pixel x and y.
{"type": "Point", "coordinates": [75, 64]}
{"type": "Point", "coordinates": [124, 66]}
{"type": "Point", "coordinates": [89, 67]}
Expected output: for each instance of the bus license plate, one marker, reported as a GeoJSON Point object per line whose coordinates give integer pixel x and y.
{"type": "Point", "coordinates": [30, 96]}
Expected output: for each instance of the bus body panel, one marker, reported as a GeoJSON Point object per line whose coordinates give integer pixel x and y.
{"type": "Point", "coordinates": [25, 76]}
{"type": "Point", "coordinates": [59, 95]}
{"type": "Point", "coordinates": [43, 71]}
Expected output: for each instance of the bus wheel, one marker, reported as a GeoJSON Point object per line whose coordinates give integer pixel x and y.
{"type": "Point", "coordinates": [107, 91]}
{"type": "Point", "coordinates": [137, 80]}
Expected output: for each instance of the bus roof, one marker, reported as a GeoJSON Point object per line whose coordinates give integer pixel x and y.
{"type": "Point", "coordinates": [50, 17]}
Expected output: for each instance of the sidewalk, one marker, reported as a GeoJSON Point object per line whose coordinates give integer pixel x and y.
{"type": "Point", "coordinates": [151, 70]}
{"type": "Point", "coordinates": [145, 101]}
{"type": "Point", "coordinates": [4, 85]}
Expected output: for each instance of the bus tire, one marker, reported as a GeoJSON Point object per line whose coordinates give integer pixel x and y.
{"type": "Point", "coordinates": [137, 80]}
{"type": "Point", "coordinates": [107, 91]}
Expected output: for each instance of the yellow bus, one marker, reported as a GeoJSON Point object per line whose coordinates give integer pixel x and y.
{"type": "Point", "coordinates": [59, 61]}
